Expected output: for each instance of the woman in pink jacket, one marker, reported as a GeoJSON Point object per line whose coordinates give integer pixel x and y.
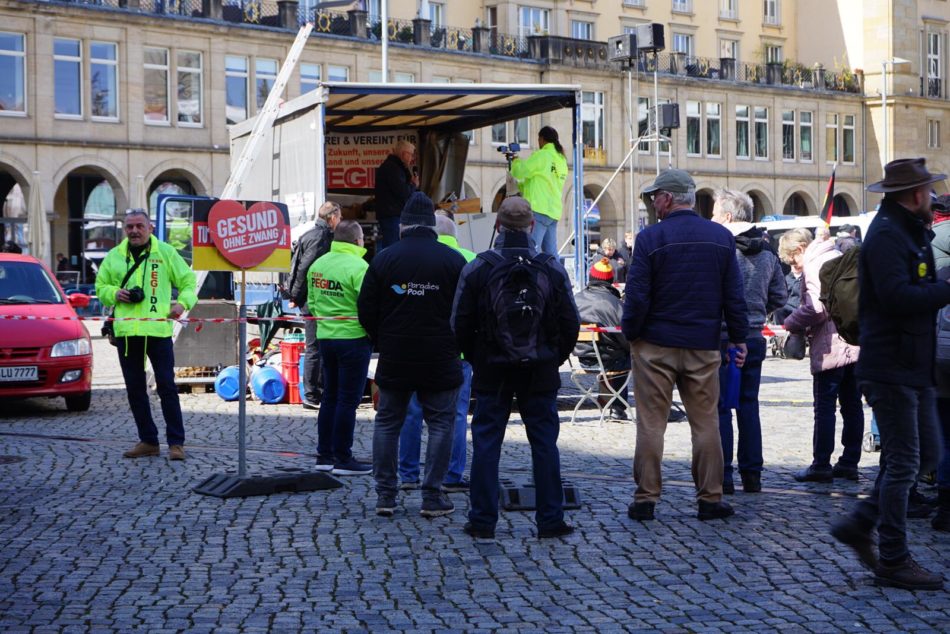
{"type": "Point", "coordinates": [832, 364]}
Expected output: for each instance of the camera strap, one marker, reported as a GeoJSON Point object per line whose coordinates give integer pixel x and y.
{"type": "Point", "coordinates": [131, 271]}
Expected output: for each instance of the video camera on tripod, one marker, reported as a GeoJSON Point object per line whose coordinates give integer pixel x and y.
{"type": "Point", "coordinates": [510, 151]}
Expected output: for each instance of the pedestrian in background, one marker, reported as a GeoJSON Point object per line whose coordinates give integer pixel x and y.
{"type": "Point", "coordinates": [515, 320]}
{"type": "Point", "coordinates": [833, 362]}
{"type": "Point", "coordinates": [764, 291]}
{"type": "Point", "coordinates": [405, 304]}
{"type": "Point", "coordinates": [312, 245]}
{"type": "Point", "coordinates": [899, 299]}
{"type": "Point", "coordinates": [395, 183]}
{"type": "Point", "coordinates": [410, 439]}
{"type": "Point", "coordinates": [136, 278]}
{"type": "Point", "coordinates": [541, 179]}
{"type": "Point", "coordinates": [682, 281]}
{"type": "Point", "coordinates": [335, 280]}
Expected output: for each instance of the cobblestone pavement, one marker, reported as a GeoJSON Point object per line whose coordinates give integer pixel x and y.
{"type": "Point", "coordinates": [90, 541]}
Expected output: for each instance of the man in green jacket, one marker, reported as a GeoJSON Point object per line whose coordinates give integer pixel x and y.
{"type": "Point", "coordinates": [541, 179]}
{"type": "Point", "coordinates": [136, 278]}
{"type": "Point", "coordinates": [334, 282]}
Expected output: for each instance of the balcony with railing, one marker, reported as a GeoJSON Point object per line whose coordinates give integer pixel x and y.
{"type": "Point", "coordinates": [932, 87]}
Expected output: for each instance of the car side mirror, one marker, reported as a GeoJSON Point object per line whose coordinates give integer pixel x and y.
{"type": "Point", "coordinates": [78, 300]}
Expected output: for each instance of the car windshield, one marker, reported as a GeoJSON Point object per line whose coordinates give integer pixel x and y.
{"type": "Point", "coordinates": [27, 283]}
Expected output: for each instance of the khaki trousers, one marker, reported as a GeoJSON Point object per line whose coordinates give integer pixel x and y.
{"type": "Point", "coordinates": [656, 369]}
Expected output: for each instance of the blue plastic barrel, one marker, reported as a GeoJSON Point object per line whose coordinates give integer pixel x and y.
{"type": "Point", "coordinates": [227, 383]}
{"type": "Point", "coordinates": [300, 385]}
{"type": "Point", "coordinates": [268, 385]}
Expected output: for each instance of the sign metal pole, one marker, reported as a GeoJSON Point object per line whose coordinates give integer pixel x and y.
{"type": "Point", "coordinates": [242, 362]}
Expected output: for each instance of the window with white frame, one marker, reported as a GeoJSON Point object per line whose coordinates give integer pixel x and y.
{"type": "Point", "coordinates": [713, 129]}
{"type": "Point", "coordinates": [592, 119]}
{"type": "Point", "coordinates": [634, 3]}
{"type": "Point", "coordinates": [103, 80]}
{"type": "Point", "coordinates": [265, 74]}
{"type": "Point", "coordinates": [338, 73]}
{"type": "Point", "coordinates": [236, 82]}
{"type": "Point", "coordinates": [374, 11]}
{"type": "Point", "coordinates": [683, 6]}
{"type": "Point", "coordinates": [516, 131]}
{"type": "Point", "coordinates": [437, 14]}
{"type": "Point", "coordinates": [156, 85]}
{"type": "Point", "coordinates": [499, 133]}
{"type": "Point", "coordinates": [772, 12]}
{"type": "Point", "coordinates": [805, 137]}
{"type": "Point", "coordinates": [742, 132]}
{"type": "Point", "coordinates": [12, 73]}
{"type": "Point", "coordinates": [761, 132]}
{"type": "Point", "coordinates": [933, 133]}
{"type": "Point", "coordinates": [773, 54]}
{"type": "Point", "coordinates": [847, 139]}
{"type": "Point", "coordinates": [788, 135]}
{"type": "Point", "coordinates": [683, 43]}
{"type": "Point", "coordinates": [831, 138]}
{"type": "Point", "coordinates": [934, 65]}
{"type": "Point", "coordinates": [729, 9]}
{"type": "Point", "coordinates": [520, 131]}
{"type": "Point", "coordinates": [67, 77]}
{"type": "Point", "coordinates": [534, 21]}
{"type": "Point", "coordinates": [581, 30]}
{"type": "Point", "coordinates": [190, 105]}
{"type": "Point", "coordinates": [309, 77]}
{"type": "Point", "coordinates": [694, 125]}
{"type": "Point", "coordinates": [729, 48]}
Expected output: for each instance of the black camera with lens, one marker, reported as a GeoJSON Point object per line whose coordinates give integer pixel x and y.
{"type": "Point", "coordinates": [136, 295]}
{"type": "Point", "coordinates": [510, 151]}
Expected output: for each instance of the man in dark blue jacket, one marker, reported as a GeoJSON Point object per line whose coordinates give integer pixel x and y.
{"type": "Point", "coordinates": [495, 384]}
{"type": "Point", "coordinates": [404, 305]}
{"type": "Point", "coordinates": [898, 304]}
{"type": "Point", "coordinates": [682, 283]}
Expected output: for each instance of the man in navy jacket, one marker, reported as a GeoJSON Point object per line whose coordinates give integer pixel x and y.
{"type": "Point", "coordinates": [682, 283]}
{"type": "Point", "coordinates": [898, 304]}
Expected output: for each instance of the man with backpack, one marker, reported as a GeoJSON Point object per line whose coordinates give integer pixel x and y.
{"type": "Point", "coordinates": [514, 319]}
{"type": "Point", "coordinates": [314, 244]}
{"type": "Point", "coordinates": [898, 303]}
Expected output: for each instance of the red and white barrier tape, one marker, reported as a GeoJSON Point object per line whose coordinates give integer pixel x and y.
{"type": "Point", "coordinates": [767, 331]}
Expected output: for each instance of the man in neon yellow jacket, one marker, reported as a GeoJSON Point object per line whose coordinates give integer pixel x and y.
{"type": "Point", "coordinates": [136, 278]}
{"type": "Point", "coordinates": [333, 283]}
{"type": "Point", "coordinates": [541, 179]}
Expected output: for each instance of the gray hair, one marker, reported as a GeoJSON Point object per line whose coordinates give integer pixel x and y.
{"type": "Point", "coordinates": [678, 199]}
{"type": "Point", "coordinates": [348, 231]}
{"type": "Point", "coordinates": [444, 226]}
{"type": "Point", "coordinates": [403, 145]}
{"type": "Point", "coordinates": [607, 243]}
{"type": "Point", "coordinates": [138, 211]}
{"type": "Point", "coordinates": [736, 203]}
{"type": "Point", "coordinates": [327, 209]}
{"type": "Point", "coordinates": [790, 241]}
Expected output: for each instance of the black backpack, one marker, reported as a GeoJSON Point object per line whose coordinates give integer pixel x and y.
{"type": "Point", "coordinates": [518, 301]}
{"type": "Point", "coordinates": [840, 291]}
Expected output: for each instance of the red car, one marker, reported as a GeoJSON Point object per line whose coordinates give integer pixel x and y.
{"type": "Point", "coordinates": [42, 357]}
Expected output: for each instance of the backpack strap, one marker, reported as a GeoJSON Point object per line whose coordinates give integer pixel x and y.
{"type": "Point", "coordinates": [491, 257]}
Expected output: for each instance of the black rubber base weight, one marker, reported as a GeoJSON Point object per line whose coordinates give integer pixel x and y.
{"type": "Point", "coordinates": [516, 497]}
{"type": "Point", "coordinates": [229, 485]}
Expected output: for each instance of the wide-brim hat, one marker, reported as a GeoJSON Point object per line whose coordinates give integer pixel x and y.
{"type": "Point", "coordinates": [905, 174]}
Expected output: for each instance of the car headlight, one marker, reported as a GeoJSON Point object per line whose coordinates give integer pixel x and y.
{"type": "Point", "coordinates": [71, 348]}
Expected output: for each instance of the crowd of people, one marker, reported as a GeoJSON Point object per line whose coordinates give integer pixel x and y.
{"type": "Point", "coordinates": [449, 325]}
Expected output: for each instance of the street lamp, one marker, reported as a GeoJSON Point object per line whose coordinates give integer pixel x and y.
{"type": "Point", "coordinates": [893, 62]}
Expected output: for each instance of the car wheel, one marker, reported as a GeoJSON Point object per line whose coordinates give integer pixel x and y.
{"type": "Point", "coordinates": [79, 403]}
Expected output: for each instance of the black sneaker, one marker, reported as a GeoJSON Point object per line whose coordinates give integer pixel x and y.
{"type": "Point", "coordinates": [714, 510]}
{"type": "Point", "coordinates": [436, 506]}
{"type": "Point", "coordinates": [907, 575]}
{"type": "Point", "coordinates": [558, 530]}
{"type": "Point", "coordinates": [385, 506]}
{"type": "Point", "coordinates": [751, 481]}
{"type": "Point", "coordinates": [676, 416]}
{"type": "Point", "coordinates": [409, 485]}
{"type": "Point", "coordinates": [324, 463]}
{"type": "Point", "coordinates": [815, 474]}
{"type": "Point", "coordinates": [850, 533]}
{"type": "Point", "coordinates": [478, 532]}
{"type": "Point", "coordinates": [843, 472]}
{"type": "Point", "coordinates": [618, 414]}
{"type": "Point", "coordinates": [310, 405]}
{"type": "Point", "coordinates": [641, 511]}
{"type": "Point", "coordinates": [462, 486]}
{"type": "Point", "coordinates": [352, 467]}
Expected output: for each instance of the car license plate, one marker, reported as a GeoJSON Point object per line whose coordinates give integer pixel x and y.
{"type": "Point", "coordinates": [19, 373]}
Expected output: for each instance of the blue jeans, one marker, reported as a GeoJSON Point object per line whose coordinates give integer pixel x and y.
{"type": "Point", "coordinates": [544, 233]}
{"type": "Point", "coordinates": [388, 232]}
{"type": "Point", "coordinates": [161, 352]}
{"type": "Point", "coordinates": [828, 387]}
{"type": "Point", "coordinates": [344, 363]}
{"type": "Point", "coordinates": [410, 439]}
{"type": "Point", "coordinates": [439, 410]}
{"type": "Point", "coordinates": [539, 413]}
{"type": "Point", "coordinates": [907, 420]}
{"type": "Point", "coordinates": [747, 414]}
{"type": "Point", "coordinates": [943, 469]}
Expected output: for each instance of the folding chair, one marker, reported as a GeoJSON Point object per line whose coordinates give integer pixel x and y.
{"type": "Point", "coordinates": [601, 377]}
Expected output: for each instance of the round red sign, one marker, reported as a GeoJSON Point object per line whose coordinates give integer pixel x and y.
{"type": "Point", "coordinates": [246, 237]}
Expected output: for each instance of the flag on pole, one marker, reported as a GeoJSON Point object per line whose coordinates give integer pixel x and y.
{"type": "Point", "coordinates": [828, 208]}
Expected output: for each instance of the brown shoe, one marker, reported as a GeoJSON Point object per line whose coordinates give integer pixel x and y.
{"type": "Point", "coordinates": [141, 450]}
{"type": "Point", "coordinates": [176, 452]}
